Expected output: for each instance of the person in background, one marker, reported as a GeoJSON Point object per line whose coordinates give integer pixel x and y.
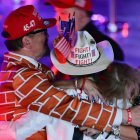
{"type": "Point", "coordinates": [83, 10]}
{"type": "Point", "coordinates": [26, 85]}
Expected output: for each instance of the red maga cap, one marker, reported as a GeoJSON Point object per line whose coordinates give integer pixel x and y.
{"type": "Point", "coordinates": [23, 21]}
{"type": "Point", "coordinates": [84, 4]}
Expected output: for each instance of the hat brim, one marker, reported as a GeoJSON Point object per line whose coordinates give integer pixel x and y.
{"type": "Point", "coordinates": [106, 57]}
{"type": "Point", "coordinates": [60, 4]}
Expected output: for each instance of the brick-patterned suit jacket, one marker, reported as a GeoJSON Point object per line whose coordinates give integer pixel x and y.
{"type": "Point", "coordinates": [25, 87]}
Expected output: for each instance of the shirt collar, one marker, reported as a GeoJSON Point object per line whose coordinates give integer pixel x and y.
{"type": "Point", "coordinates": [31, 60]}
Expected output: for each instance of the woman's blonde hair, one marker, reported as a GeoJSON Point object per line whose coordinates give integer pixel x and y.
{"type": "Point", "coordinates": [119, 80]}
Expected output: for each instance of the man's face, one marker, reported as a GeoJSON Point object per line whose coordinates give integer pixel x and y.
{"type": "Point", "coordinates": [64, 14]}
{"type": "Point", "coordinates": [40, 44]}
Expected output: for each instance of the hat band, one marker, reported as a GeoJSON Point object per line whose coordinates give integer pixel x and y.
{"type": "Point", "coordinates": [83, 55]}
{"type": "Point", "coordinates": [84, 65]}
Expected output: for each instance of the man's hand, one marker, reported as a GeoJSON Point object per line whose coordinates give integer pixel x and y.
{"type": "Point", "coordinates": [136, 116]}
{"type": "Point", "coordinates": [89, 131]}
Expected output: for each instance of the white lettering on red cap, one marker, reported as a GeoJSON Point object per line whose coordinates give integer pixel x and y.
{"type": "Point", "coordinates": [80, 3]}
{"type": "Point", "coordinates": [35, 13]}
{"type": "Point", "coordinates": [27, 27]}
{"type": "Point", "coordinates": [5, 26]}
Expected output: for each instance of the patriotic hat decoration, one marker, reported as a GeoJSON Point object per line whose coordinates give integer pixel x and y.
{"type": "Point", "coordinates": [76, 53]}
{"type": "Point", "coordinates": [83, 4]}
{"type": "Point", "coordinates": [66, 39]}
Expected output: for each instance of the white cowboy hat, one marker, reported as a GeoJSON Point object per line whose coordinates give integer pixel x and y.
{"type": "Point", "coordinates": [86, 57]}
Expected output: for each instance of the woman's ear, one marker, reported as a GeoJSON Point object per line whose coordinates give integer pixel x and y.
{"type": "Point", "coordinates": [26, 42]}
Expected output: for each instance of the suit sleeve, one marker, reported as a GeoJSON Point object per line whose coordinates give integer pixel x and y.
{"type": "Point", "coordinates": [35, 92]}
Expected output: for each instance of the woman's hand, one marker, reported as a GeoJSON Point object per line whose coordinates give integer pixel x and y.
{"type": "Point", "coordinates": [92, 91]}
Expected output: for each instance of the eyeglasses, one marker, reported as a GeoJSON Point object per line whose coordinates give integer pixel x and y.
{"type": "Point", "coordinates": [39, 31]}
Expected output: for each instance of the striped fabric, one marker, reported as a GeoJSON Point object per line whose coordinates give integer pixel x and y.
{"type": "Point", "coordinates": [63, 46]}
{"type": "Point", "coordinates": [24, 87]}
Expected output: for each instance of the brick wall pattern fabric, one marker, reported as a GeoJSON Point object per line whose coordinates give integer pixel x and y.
{"type": "Point", "coordinates": [25, 87]}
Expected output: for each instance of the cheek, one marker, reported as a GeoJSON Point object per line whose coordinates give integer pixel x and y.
{"type": "Point", "coordinates": [42, 39]}
{"type": "Point", "coordinates": [40, 44]}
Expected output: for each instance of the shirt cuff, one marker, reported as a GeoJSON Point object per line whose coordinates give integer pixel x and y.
{"type": "Point", "coordinates": [71, 92]}
{"type": "Point", "coordinates": [118, 117]}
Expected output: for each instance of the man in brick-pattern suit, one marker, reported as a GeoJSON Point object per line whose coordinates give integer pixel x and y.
{"type": "Point", "coordinates": [27, 85]}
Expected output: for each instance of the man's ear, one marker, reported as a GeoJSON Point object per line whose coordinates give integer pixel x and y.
{"type": "Point", "coordinates": [26, 42]}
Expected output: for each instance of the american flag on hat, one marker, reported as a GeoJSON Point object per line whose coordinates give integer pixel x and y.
{"type": "Point", "coordinates": [66, 39]}
{"type": "Point", "coordinates": [72, 35]}
{"type": "Point", "coordinates": [62, 49]}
